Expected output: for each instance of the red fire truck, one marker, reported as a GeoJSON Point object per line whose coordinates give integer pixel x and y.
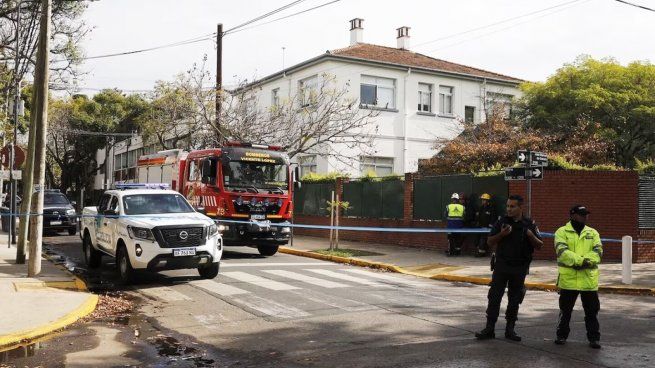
{"type": "Point", "coordinates": [249, 186]}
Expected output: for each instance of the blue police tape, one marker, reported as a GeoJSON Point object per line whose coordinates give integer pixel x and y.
{"type": "Point", "coordinates": [328, 227]}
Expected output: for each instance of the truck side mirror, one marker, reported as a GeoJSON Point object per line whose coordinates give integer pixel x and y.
{"type": "Point", "coordinates": [296, 178]}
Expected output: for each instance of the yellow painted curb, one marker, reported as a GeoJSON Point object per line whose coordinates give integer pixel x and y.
{"type": "Point", "coordinates": [456, 278]}
{"type": "Point", "coordinates": [84, 309]}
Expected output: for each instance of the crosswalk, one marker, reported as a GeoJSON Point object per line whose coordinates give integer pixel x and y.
{"type": "Point", "coordinates": [283, 294]}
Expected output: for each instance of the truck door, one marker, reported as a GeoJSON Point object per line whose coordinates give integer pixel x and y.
{"type": "Point", "coordinates": [100, 231]}
{"type": "Point", "coordinates": [111, 224]}
{"type": "Point", "coordinates": [106, 224]}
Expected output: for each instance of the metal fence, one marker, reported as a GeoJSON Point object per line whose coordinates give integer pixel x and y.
{"type": "Point", "coordinates": [312, 198]}
{"type": "Point", "coordinates": [374, 199]}
{"type": "Point", "coordinates": [431, 195]}
{"type": "Point", "coordinates": [647, 202]}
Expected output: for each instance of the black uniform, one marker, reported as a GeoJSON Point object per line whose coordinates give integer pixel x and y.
{"type": "Point", "coordinates": [485, 216]}
{"type": "Point", "coordinates": [513, 257]}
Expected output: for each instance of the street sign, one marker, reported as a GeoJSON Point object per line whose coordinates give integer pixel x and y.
{"type": "Point", "coordinates": [4, 174]}
{"type": "Point", "coordinates": [538, 159]}
{"type": "Point", "coordinates": [524, 173]}
{"type": "Point", "coordinates": [19, 157]}
{"type": "Point", "coordinates": [522, 157]}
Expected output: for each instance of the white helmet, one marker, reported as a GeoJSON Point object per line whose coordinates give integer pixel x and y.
{"type": "Point", "coordinates": [454, 196]}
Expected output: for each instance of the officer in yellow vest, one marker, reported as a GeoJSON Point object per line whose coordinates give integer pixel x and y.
{"type": "Point", "coordinates": [455, 220]}
{"type": "Point", "coordinates": [579, 251]}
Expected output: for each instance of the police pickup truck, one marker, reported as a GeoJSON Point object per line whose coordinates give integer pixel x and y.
{"type": "Point", "coordinates": [147, 227]}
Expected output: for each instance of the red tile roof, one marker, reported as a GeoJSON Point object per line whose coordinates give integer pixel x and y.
{"type": "Point", "coordinates": [392, 55]}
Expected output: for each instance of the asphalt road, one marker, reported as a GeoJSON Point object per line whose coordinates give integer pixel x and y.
{"type": "Point", "coordinates": [288, 311]}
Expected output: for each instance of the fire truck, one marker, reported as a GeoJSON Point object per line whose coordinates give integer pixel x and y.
{"type": "Point", "coordinates": [247, 188]}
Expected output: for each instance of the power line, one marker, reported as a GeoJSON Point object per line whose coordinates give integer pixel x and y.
{"type": "Point", "coordinates": [495, 23]}
{"type": "Point", "coordinates": [636, 5]}
{"type": "Point", "coordinates": [275, 11]}
{"type": "Point", "coordinates": [287, 16]}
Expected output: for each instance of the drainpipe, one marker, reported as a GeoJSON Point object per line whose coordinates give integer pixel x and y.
{"type": "Point", "coordinates": [406, 108]}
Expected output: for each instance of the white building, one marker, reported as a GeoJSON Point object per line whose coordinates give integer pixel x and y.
{"type": "Point", "coordinates": [420, 99]}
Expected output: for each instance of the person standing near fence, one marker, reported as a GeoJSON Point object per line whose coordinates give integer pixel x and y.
{"type": "Point", "coordinates": [514, 237]}
{"type": "Point", "coordinates": [485, 217]}
{"type": "Point", "coordinates": [579, 251]}
{"type": "Point", "coordinates": [455, 220]}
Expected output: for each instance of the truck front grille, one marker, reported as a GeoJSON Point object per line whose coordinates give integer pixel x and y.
{"type": "Point", "coordinates": [174, 237]}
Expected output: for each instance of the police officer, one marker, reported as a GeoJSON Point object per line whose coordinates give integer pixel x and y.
{"type": "Point", "coordinates": [514, 237]}
{"type": "Point", "coordinates": [579, 251]}
{"type": "Point", "coordinates": [455, 220]}
{"type": "Point", "coordinates": [485, 217]}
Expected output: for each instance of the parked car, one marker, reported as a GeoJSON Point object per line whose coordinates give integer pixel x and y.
{"type": "Point", "coordinates": [58, 212]}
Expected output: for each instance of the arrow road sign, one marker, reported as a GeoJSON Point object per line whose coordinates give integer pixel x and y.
{"type": "Point", "coordinates": [524, 173]}
{"type": "Point", "coordinates": [522, 156]}
{"type": "Point", "coordinates": [538, 159]}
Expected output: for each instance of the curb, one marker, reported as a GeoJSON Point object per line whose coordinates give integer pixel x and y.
{"type": "Point", "coordinates": [456, 278]}
{"type": "Point", "coordinates": [84, 309]}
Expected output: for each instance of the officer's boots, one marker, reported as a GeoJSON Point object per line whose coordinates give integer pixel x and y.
{"type": "Point", "coordinates": [510, 334]}
{"type": "Point", "coordinates": [487, 332]}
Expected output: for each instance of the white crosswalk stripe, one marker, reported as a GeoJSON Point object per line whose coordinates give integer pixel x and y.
{"type": "Point", "coordinates": [164, 293]}
{"type": "Point", "coordinates": [258, 280]}
{"type": "Point", "coordinates": [343, 276]}
{"type": "Point", "coordinates": [218, 288]}
{"type": "Point", "coordinates": [270, 307]}
{"type": "Point", "coordinates": [388, 278]}
{"type": "Point", "coordinates": [306, 279]}
{"type": "Point", "coordinates": [346, 304]}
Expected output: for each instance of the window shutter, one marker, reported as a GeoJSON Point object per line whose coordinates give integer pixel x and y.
{"type": "Point", "coordinates": [647, 202]}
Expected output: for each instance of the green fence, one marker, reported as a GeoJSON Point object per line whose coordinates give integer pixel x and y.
{"type": "Point", "coordinates": [374, 199]}
{"type": "Point", "coordinates": [312, 198]}
{"type": "Point", "coordinates": [431, 195]}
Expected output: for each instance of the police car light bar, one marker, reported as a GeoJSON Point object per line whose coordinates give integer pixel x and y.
{"type": "Point", "coordinates": [123, 186]}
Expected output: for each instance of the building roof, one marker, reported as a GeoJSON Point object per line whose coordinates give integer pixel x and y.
{"type": "Point", "coordinates": [383, 54]}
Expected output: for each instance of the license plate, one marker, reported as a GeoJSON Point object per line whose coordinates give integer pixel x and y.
{"type": "Point", "coordinates": [184, 252]}
{"type": "Point", "coordinates": [55, 223]}
{"type": "Point", "coordinates": [258, 217]}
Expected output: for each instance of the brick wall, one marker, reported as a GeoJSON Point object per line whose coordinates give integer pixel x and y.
{"type": "Point", "coordinates": [610, 196]}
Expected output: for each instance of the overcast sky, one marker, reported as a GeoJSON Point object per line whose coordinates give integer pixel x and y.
{"type": "Point", "coordinates": [530, 47]}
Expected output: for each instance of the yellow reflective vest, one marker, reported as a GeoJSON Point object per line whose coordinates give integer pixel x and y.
{"type": "Point", "coordinates": [455, 211]}
{"type": "Point", "coordinates": [572, 249]}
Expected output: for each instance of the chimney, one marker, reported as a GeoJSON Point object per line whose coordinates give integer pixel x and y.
{"type": "Point", "coordinates": [356, 31]}
{"type": "Point", "coordinates": [403, 38]}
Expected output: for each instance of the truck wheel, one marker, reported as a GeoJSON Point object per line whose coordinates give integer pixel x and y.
{"type": "Point", "coordinates": [91, 256]}
{"type": "Point", "coordinates": [209, 272]}
{"type": "Point", "coordinates": [267, 250]}
{"type": "Point", "coordinates": [72, 230]}
{"type": "Point", "coordinates": [125, 270]}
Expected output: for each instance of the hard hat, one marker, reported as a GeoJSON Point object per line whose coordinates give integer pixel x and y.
{"type": "Point", "coordinates": [454, 196]}
{"type": "Point", "coordinates": [485, 196]}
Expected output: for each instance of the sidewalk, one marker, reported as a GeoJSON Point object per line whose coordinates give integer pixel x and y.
{"type": "Point", "coordinates": [35, 306]}
{"type": "Point", "coordinates": [434, 264]}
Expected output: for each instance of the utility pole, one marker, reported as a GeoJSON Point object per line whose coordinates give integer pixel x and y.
{"type": "Point", "coordinates": [219, 78]}
{"type": "Point", "coordinates": [12, 151]}
{"type": "Point", "coordinates": [42, 73]}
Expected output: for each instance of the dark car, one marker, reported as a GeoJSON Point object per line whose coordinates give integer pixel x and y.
{"type": "Point", "coordinates": [58, 212]}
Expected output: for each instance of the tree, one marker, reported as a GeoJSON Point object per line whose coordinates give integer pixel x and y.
{"type": "Point", "coordinates": [620, 100]}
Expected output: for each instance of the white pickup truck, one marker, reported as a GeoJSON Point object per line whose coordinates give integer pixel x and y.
{"type": "Point", "coordinates": [150, 229]}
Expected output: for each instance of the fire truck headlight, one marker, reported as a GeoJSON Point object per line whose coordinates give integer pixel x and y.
{"type": "Point", "coordinates": [239, 201]}
{"type": "Point", "coordinates": [253, 201]}
{"type": "Point", "coordinates": [266, 202]}
{"type": "Point", "coordinates": [285, 230]}
{"type": "Point", "coordinates": [280, 202]}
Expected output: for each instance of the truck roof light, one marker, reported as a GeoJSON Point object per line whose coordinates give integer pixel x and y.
{"type": "Point", "coordinates": [123, 186]}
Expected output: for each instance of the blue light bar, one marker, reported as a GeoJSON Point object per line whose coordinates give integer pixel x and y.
{"type": "Point", "coordinates": [123, 186]}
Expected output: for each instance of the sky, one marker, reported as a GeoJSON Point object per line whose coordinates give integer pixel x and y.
{"type": "Point", "coordinates": [526, 42]}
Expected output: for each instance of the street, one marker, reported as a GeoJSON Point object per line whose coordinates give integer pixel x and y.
{"type": "Point", "coordinates": [287, 311]}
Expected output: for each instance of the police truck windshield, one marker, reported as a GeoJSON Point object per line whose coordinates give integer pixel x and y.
{"type": "Point", "coordinates": [148, 204]}
{"type": "Point", "coordinates": [258, 175]}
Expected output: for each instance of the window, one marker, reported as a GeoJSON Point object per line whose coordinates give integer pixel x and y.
{"type": "Point", "coordinates": [307, 165]}
{"type": "Point", "coordinates": [499, 104]}
{"type": "Point", "coordinates": [469, 114]}
{"type": "Point", "coordinates": [275, 97]}
{"type": "Point", "coordinates": [194, 170]}
{"type": "Point", "coordinates": [424, 97]}
{"type": "Point", "coordinates": [379, 92]}
{"type": "Point", "coordinates": [381, 166]}
{"type": "Point", "coordinates": [445, 100]}
{"type": "Point", "coordinates": [308, 91]}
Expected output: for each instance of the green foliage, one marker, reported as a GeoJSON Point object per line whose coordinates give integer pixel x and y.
{"type": "Point", "coordinates": [370, 175]}
{"type": "Point", "coordinates": [645, 167]}
{"type": "Point", "coordinates": [344, 205]}
{"type": "Point", "coordinates": [323, 178]}
{"type": "Point", "coordinates": [620, 99]}
{"type": "Point", "coordinates": [560, 162]}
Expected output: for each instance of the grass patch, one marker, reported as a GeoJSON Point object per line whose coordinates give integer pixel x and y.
{"type": "Point", "coordinates": [347, 253]}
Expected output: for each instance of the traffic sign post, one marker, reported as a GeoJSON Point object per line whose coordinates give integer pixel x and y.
{"type": "Point", "coordinates": [532, 169]}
